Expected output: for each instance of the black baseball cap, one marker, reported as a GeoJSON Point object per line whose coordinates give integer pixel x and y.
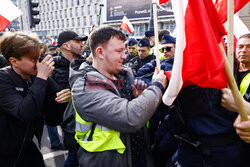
{"type": "Point", "coordinates": [69, 35]}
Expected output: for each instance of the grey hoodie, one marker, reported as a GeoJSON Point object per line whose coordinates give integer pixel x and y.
{"type": "Point", "coordinates": [103, 105]}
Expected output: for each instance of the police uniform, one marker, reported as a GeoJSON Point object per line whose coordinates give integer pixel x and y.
{"type": "Point", "coordinates": [137, 62]}
{"type": "Point", "coordinates": [209, 138]}
{"type": "Point", "coordinates": [131, 42]}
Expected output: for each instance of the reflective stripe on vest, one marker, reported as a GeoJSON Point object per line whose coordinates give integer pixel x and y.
{"type": "Point", "coordinates": [103, 138]}
{"type": "Point", "coordinates": [244, 84]}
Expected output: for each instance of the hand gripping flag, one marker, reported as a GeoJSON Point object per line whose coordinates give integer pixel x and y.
{"type": "Point", "coordinates": [8, 12]}
{"type": "Point", "coordinates": [198, 59]}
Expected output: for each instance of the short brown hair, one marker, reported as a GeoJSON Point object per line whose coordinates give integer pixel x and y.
{"type": "Point", "coordinates": [102, 35]}
{"type": "Point", "coordinates": [18, 44]}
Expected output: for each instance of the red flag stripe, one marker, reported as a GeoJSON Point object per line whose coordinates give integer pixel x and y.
{"type": "Point", "coordinates": [3, 23]}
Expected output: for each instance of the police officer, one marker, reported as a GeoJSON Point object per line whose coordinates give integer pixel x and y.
{"type": "Point", "coordinates": [168, 49]}
{"type": "Point", "coordinates": [132, 50]}
{"type": "Point", "coordinates": [144, 55]}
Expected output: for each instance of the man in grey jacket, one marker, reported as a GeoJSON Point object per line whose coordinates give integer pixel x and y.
{"type": "Point", "coordinates": [111, 108]}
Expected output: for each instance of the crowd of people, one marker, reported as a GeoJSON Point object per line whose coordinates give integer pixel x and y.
{"type": "Point", "coordinates": [109, 103]}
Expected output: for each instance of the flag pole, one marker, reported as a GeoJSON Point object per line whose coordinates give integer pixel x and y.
{"type": "Point", "coordinates": [230, 32]}
{"type": "Point", "coordinates": [156, 35]}
{"type": "Point", "coordinates": [233, 86]}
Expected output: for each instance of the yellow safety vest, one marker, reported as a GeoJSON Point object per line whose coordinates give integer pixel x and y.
{"type": "Point", "coordinates": [244, 84]}
{"type": "Point", "coordinates": [103, 138]}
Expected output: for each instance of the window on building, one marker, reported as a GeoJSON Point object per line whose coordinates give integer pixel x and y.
{"type": "Point", "coordinates": [62, 22]}
{"type": "Point", "coordinates": [57, 23]}
{"type": "Point", "coordinates": [56, 5]}
{"type": "Point", "coordinates": [67, 3]}
{"type": "Point", "coordinates": [51, 15]}
{"type": "Point", "coordinates": [91, 20]}
{"type": "Point", "coordinates": [61, 3]}
{"type": "Point", "coordinates": [67, 22]}
{"type": "Point", "coordinates": [76, 11]}
{"type": "Point", "coordinates": [70, 12]}
{"type": "Point", "coordinates": [82, 10]}
{"type": "Point", "coordinates": [56, 15]}
{"type": "Point", "coordinates": [78, 2]}
{"type": "Point", "coordinates": [79, 21]}
{"type": "Point", "coordinates": [65, 13]}
{"type": "Point", "coordinates": [84, 21]}
{"type": "Point", "coordinates": [72, 3]}
{"type": "Point", "coordinates": [52, 6]}
{"type": "Point", "coordinates": [88, 9]}
{"type": "Point", "coordinates": [96, 8]}
{"type": "Point", "coordinates": [73, 22]}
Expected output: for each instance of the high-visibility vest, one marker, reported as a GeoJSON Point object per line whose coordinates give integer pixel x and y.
{"type": "Point", "coordinates": [244, 84]}
{"type": "Point", "coordinates": [103, 138]}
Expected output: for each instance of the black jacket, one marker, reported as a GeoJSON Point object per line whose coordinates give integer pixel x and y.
{"type": "Point", "coordinates": [22, 107]}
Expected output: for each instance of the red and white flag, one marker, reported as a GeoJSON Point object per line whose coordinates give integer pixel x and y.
{"type": "Point", "coordinates": [126, 25]}
{"type": "Point", "coordinates": [159, 1]}
{"type": "Point", "coordinates": [8, 12]}
{"type": "Point", "coordinates": [221, 6]}
{"type": "Point", "coordinates": [198, 59]}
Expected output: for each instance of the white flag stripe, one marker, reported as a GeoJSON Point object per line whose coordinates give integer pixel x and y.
{"type": "Point", "coordinates": [8, 10]}
{"type": "Point", "coordinates": [176, 82]}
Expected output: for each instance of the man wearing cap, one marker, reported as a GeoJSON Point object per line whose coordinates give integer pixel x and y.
{"type": "Point", "coordinates": [132, 50]}
{"type": "Point", "coordinates": [151, 37]}
{"type": "Point", "coordinates": [52, 50]}
{"type": "Point", "coordinates": [144, 55]}
{"type": "Point", "coordinates": [168, 49]}
{"type": "Point", "coordinates": [70, 44]}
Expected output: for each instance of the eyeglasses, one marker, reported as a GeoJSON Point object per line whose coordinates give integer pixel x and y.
{"type": "Point", "coordinates": [166, 48]}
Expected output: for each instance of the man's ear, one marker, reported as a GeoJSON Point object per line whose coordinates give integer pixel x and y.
{"type": "Point", "coordinates": [13, 61]}
{"type": "Point", "coordinates": [99, 52]}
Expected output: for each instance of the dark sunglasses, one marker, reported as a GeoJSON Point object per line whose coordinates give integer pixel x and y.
{"type": "Point", "coordinates": [166, 48]}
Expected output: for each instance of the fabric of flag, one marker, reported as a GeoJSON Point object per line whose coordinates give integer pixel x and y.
{"type": "Point", "coordinates": [159, 1]}
{"type": "Point", "coordinates": [198, 59]}
{"type": "Point", "coordinates": [221, 6]}
{"type": "Point", "coordinates": [8, 12]}
{"type": "Point", "coordinates": [126, 25]}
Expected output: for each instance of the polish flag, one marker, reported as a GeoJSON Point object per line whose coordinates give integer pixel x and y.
{"type": "Point", "coordinates": [8, 12]}
{"type": "Point", "coordinates": [126, 25]}
{"type": "Point", "coordinates": [221, 6]}
{"type": "Point", "coordinates": [198, 59]}
{"type": "Point", "coordinates": [159, 1]}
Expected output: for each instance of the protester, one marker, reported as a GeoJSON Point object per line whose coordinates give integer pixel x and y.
{"type": "Point", "coordinates": [27, 93]}
{"type": "Point", "coordinates": [111, 109]}
{"type": "Point", "coordinates": [70, 44]}
{"type": "Point", "coordinates": [243, 80]}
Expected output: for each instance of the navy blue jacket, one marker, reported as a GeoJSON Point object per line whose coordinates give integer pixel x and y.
{"type": "Point", "coordinates": [146, 72]}
{"type": "Point", "coordinates": [203, 112]}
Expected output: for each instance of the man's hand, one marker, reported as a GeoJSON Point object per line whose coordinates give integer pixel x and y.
{"type": "Point", "coordinates": [45, 68]}
{"type": "Point", "coordinates": [160, 77]}
{"type": "Point", "coordinates": [227, 100]}
{"type": "Point", "coordinates": [138, 87]}
{"type": "Point", "coordinates": [243, 129]}
{"type": "Point", "coordinates": [63, 96]}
